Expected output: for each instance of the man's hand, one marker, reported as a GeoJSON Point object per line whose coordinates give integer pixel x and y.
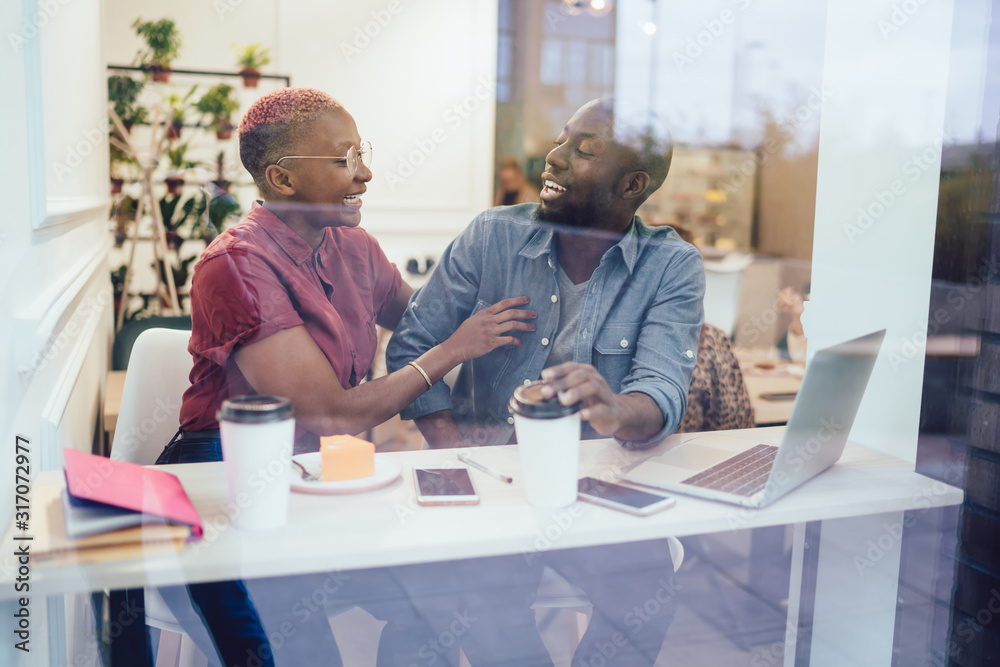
{"type": "Point", "coordinates": [575, 382]}
{"type": "Point", "coordinates": [634, 416]}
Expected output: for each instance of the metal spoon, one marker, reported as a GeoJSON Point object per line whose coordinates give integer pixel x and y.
{"type": "Point", "coordinates": [306, 475]}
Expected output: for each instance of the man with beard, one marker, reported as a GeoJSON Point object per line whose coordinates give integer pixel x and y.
{"type": "Point", "coordinates": [619, 314]}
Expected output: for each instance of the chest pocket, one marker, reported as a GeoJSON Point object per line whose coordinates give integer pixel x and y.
{"type": "Point", "coordinates": [614, 348]}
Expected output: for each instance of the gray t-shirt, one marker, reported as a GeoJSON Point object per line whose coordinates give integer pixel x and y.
{"type": "Point", "coordinates": [570, 300]}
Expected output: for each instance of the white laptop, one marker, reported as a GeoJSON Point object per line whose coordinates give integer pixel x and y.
{"type": "Point", "coordinates": [738, 470]}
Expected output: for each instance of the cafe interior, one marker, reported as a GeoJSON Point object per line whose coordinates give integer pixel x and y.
{"type": "Point", "coordinates": [834, 164]}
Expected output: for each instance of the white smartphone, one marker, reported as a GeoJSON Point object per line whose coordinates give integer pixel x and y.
{"type": "Point", "coordinates": [624, 498]}
{"type": "Point", "coordinates": [445, 486]}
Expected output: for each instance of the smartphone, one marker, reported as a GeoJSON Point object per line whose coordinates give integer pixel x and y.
{"type": "Point", "coordinates": [445, 486]}
{"type": "Point", "coordinates": [624, 498]}
{"type": "Point", "coordinates": [780, 396]}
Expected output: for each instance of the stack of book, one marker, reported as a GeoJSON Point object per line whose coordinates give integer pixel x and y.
{"type": "Point", "coordinates": [110, 510]}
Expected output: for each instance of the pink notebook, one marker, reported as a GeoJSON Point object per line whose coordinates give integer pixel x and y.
{"type": "Point", "coordinates": [96, 480]}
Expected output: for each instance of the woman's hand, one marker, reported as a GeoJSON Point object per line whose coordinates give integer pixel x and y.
{"type": "Point", "coordinates": [790, 301]}
{"type": "Point", "coordinates": [489, 329]}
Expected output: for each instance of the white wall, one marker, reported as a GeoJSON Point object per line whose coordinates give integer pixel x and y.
{"type": "Point", "coordinates": [881, 127]}
{"type": "Point", "coordinates": [398, 66]}
{"type": "Point", "coordinates": [55, 314]}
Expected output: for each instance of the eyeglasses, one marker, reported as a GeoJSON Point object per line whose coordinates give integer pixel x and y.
{"type": "Point", "coordinates": [354, 157]}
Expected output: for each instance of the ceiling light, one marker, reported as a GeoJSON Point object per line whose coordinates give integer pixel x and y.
{"type": "Point", "coordinates": [593, 7]}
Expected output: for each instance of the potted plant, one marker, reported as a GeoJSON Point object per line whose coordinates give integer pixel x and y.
{"type": "Point", "coordinates": [168, 207]}
{"type": "Point", "coordinates": [163, 44]}
{"type": "Point", "coordinates": [221, 182]}
{"type": "Point", "coordinates": [123, 93]}
{"type": "Point", "coordinates": [123, 213]}
{"type": "Point", "coordinates": [179, 107]}
{"type": "Point", "coordinates": [222, 209]}
{"type": "Point", "coordinates": [180, 273]}
{"type": "Point", "coordinates": [179, 164]}
{"type": "Point", "coordinates": [118, 284]}
{"type": "Point", "coordinates": [121, 163]}
{"type": "Point", "coordinates": [250, 59]}
{"type": "Point", "coordinates": [219, 105]}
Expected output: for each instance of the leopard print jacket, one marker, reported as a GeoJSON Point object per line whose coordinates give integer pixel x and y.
{"type": "Point", "coordinates": [718, 399]}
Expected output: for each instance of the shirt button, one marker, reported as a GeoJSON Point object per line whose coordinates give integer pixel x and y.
{"type": "Point", "coordinates": [554, 298]}
{"type": "Point", "coordinates": [624, 343]}
{"type": "Point", "coordinates": [689, 354]}
{"type": "Point", "coordinates": [510, 420]}
{"type": "Point", "coordinates": [527, 382]}
{"type": "Point", "coordinates": [584, 333]}
{"type": "Point", "coordinates": [545, 341]}
{"type": "Point", "coordinates": [551, 266]}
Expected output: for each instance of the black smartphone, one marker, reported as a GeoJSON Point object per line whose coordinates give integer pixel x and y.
{"type": "Point", "coordinates": [624, 498]}
{"type": "Point", "coordinates": [780, 396]}
{"type": "Point", "coordinates": [445, 486]}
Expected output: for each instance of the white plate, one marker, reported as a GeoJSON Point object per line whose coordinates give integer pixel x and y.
{"type": "Point", "coordinates": [386, 472]}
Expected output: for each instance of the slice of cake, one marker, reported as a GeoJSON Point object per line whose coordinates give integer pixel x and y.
{"type": "Point", "coordinates": [346, 457]}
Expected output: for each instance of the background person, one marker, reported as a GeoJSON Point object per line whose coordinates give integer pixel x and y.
{"type": "Point", "coordinates": [793, 344]}
{"type": "Point", "coordinates": [717, 398]}
{"type": "Point", "coordinates": [512, 184]}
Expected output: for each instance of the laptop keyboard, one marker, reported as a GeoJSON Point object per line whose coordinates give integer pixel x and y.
{"type": "Point", "coordinates": [744, 474]}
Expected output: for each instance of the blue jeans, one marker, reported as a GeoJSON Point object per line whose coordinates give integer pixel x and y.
{"type": "Point", "coordinates": [484, 605]}
{"type": "Point", "coordinates": [294, 610]}
{"type": "Point", "coordinates": [632, 588]}
{"type": "Point", "coordinates": [224, 606]}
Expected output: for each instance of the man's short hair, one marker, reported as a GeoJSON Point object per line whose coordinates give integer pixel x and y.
{"type": "Point", "coordinates": [270, 126]}
{"type": "Point", "coordinates": [641, 130]}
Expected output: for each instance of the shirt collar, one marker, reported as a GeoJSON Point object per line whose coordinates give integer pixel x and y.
{"type": "Point", "coordinates": [291, 243]}
{"type": "Point", "coordinates": [540, 242]}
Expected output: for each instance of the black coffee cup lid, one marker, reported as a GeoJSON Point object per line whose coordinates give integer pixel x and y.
{"type": "Point", "coordinates": [255, 409]}
{"type": "Point", "coordinates": [528, 401]}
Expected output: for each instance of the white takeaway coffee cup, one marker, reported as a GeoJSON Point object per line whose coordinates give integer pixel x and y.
{"type": "Point", "coordinates": [548, 437]}
{"type": "Point", "coordinates": [257, 434]}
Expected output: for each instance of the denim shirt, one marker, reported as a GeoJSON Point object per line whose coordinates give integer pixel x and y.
{"type": "Point", "coordinates": [639, 321]}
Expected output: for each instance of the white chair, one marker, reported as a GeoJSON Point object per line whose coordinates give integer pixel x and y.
{"type": "Point", "coordinates": [156, 379]}
{"type": "Point", "coordinates": [723, 280]}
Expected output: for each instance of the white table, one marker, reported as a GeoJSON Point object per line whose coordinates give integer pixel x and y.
{"type": "Point", "coordinates": [858, 501]}
{"type": "Point", "coordinates": [779, 381]}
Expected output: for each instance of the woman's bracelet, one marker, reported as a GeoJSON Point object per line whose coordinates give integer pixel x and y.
{"type": "Point", "coordinates": [422, 372]}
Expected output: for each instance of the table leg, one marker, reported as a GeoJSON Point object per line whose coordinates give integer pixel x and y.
{"type": "Point", "coordinates": [857, 580]}
{"type": "Point", "coordinates": [794, 593]}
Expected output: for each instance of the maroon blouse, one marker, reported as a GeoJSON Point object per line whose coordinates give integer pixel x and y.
{"type": "Point", "coordinates": [260, 277]}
